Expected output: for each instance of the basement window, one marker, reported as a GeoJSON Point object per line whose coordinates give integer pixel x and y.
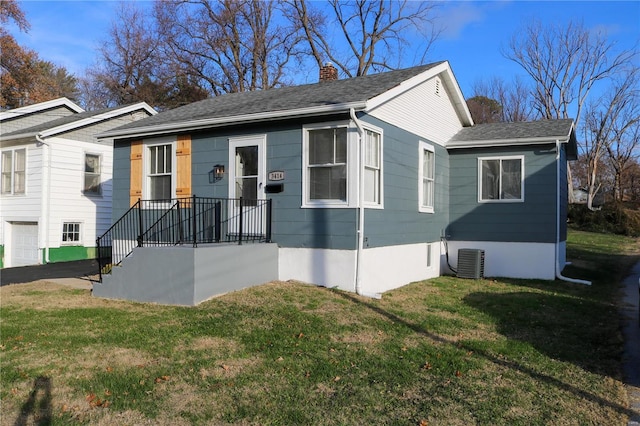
{"type": "Point", "coordinates": [71, 232]}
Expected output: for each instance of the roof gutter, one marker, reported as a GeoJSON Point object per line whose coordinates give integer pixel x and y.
{"type": "Point", "coordinates": [506, 142]}
{"type": "Point", "coordinates": [223, 121]}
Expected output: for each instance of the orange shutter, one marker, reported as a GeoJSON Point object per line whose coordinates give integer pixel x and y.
{"type": "Point", "coordinates": [135, 191]}
{"type": "Point", "coordinates": [183, 165]}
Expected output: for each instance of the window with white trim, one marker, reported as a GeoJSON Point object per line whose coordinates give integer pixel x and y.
{"type": "Point", "coordinates": [372, 168]}
{"type": "Point", "coordinates": [13, 165]}
{"type": "Point", "coordinates": [501, 179]}
{"type": "Point", "coordinates": [92, 184]}
{"type": "Point", "coordinates": [426, 175]}
{"type": "Point", "coordinates": [71, 232]}
{"type": "Point", "coordinates": [159, 171]}
{"type": "Point", "coordinates": [326, 165]}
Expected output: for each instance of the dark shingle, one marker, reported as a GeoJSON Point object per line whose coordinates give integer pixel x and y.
{"type": "Point", "coordinates": [517, 130]}
{"type": "Point", "coordinates": [59, 122]}
{"type": "Point", "coordinates": [326, 93]}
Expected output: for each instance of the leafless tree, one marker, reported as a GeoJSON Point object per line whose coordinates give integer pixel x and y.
{"type": "Point", "coordinates": [229, 45]}
{"type": "Point", "coordinates": [565, 62]}
{"type": "Point", "coordinates": [611, 126]}
{"type": "Point", "coordinates": [514, 98]}
{"type": "Point", "coordinates": [623, 148]}
{"type": "Point", "coordinates": [364, 36]}
{"type": "Point", "coordinates": [128, 67]}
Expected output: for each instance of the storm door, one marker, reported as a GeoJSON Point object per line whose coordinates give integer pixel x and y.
{"type": "Point", "coordinates": [246, 185]}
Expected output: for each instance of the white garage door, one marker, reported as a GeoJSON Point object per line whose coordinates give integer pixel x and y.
{"type": "Point", "coordinates": [24, 244]}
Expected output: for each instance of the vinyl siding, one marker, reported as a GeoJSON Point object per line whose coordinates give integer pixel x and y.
{"type": "Point", "coordinates": [533, 220]}
{"type": "Point", "coordinates": [88, 133]}
{"type": "Point", "coordinates": [34, 119]}
{"type": "Point", "coordinates": [24, 207]}
{"type": "Point", "coordinates": [400, 222]}
{"type": "Point", "coordinates": [422, 112]}
{"type": "Point", "coordinates": [68, 203]}
{"type": "Point", "coordinates": [293, 226]}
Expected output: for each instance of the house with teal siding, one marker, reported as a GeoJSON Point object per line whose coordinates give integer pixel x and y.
{"type": "Point", "coordinates": [55, 189]}
{"type": "Point", "coordinates": [364, 184]}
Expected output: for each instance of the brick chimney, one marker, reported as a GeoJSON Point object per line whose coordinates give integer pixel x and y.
{"type": "Point", "coordinates": [328, 72]}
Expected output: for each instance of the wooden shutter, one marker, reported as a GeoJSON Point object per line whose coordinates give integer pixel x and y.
{"type": "Point", "coordinates": [135, 185]}
{"type": "Point", "coordinates": [183, 166]}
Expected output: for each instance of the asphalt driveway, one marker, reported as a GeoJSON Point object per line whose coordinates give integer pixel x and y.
{"type": "Point", "coordinates": [82, 269]}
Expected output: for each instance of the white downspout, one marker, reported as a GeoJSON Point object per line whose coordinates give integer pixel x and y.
{"type": "Point", "coordinates": [46, 193]}
{"type": "Point", "coordinates": [360, 231]}
{"type": "Point", "coordinates": [557, 245]}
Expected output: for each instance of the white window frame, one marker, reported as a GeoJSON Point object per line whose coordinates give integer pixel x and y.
{"type": "Point", "coordinates": [351, 188]}
{"type": "Point", "coordinates": [99, 174]}
{"type": "Point", "coordinates": [12, 172]}
{"type": "Point", "coordinates": [380, 169]}
{"type": "Point", "coordinates": [422, 179]}
{"type": "Point", "coordinates": [146, 166]}
{"type": "Point", "coordinates": [501, 158]}
{"type": "Point", "coordinates": [79, 232]}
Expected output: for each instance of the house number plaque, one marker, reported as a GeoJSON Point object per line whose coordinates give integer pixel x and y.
{"type": "Point", "coordinates": [276, 175]}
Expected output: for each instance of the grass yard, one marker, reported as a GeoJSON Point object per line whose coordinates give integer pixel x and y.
{"type": "Point", "coordinates": [440, 352]}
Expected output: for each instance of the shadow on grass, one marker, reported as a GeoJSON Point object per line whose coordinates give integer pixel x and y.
{"type": "Point", "coordinates": [37, 408]}
{"type": "Point", "coordinates": [500, 361]}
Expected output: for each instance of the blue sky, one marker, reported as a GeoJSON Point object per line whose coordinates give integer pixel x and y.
{"type": "Point", "coordinates": [67, 32]}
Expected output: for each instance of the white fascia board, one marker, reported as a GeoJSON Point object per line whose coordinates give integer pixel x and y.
{"type": "Point", "coordinates": [449, 79]}
{"type": "Point", "coordinates": [40, 107]}
{"type": "Point", "coordinates": [206, 123]}
{"type": "Point", "coordinates": [506, 142]}
{"type": "Point", "coordinates": [97, 118]}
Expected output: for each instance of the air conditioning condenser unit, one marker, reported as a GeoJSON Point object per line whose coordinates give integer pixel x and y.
{"type": "Point", "coordinates": [471, 263]}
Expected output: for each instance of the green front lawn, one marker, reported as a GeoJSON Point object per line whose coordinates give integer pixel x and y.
{"type": "Point", "coordinates": [444, 351]}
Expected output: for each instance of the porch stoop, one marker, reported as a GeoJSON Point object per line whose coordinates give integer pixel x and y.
{"type": "Point", "coordinates": [185, 275]}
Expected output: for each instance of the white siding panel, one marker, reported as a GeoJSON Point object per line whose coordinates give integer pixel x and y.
{"type": "Point", "coordinates": [423, 112]}
{"type": "Point", "coordinates": [24, 207]}
{"type": "Point", "coordinates": [67, 201]}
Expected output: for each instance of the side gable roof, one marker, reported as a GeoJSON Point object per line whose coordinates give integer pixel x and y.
{"type": "Point", "coordinates": [311, 99]}
{"type": "Point", "coordinates": [517, 133]}
{"type": "Point", "coordinates": [74, 121]}
{"type": "Point", "coordinates": [42, 106]}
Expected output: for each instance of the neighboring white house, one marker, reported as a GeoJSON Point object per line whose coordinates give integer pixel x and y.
{"type": "Point", "coordinates": [56, 180]}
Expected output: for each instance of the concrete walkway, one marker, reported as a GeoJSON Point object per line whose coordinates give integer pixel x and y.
{"type": "Point", "coordinates": [631, 330]}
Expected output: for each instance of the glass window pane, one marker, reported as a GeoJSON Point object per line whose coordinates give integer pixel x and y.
{"type": "Point", "coordinates": [427, 193]}
{"type": "Point", "coordinates": [92, 183]}
{"type": "Point", "coordinates": [153, 164]}
{"type": "Point", "coordinates": [321, 146]}
{"type": "Point", "coordinates": [18, 183]}
{"type": "Point", "coordinates": [371, 185]}
{"type": "Point", "coordinates": [247, 161]}
{"type": "Point", "coordinates": [341, 145]}
{"type": "Point", "coordinates": [91, 163]}
{"type": "Point", "coordinates": [328, 183]}
{"type": "Point", "coordinates": [167, 159]}
{"type": "Point", "coordinates": [372, 149]}
{"type": "Point", "coordinates": [511, 180]}
{"type": "Point", "coordinates": [20, 162]}
{"type": "Point", "coordinates": [6, 161]}
{"type": "Point", "coordinates": [427, 166]}
{"type": "Point", "coordinates": [490, 179]}
{"type": "Point", "coordinates": [160, 187]}
{"type": "Point", "coordinates": [6, 182]}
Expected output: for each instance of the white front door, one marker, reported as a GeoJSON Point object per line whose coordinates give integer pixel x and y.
{"type": "Point", "coordinates": [247, 172]}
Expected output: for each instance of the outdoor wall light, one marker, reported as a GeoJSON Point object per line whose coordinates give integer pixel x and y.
{"type": "Point", "coordinates": [217, 173]}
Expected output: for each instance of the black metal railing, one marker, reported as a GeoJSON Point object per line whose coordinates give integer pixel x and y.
{"type": "Point", "coordinates": [193, 220]}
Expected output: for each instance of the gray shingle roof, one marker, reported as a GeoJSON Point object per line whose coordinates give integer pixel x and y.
{"type": "Point", "coordinates": [58, 122]}
{"type": "Point", "coordinates": [337, 92]}
{"type": "Point", "coordinates": [519, 130]}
